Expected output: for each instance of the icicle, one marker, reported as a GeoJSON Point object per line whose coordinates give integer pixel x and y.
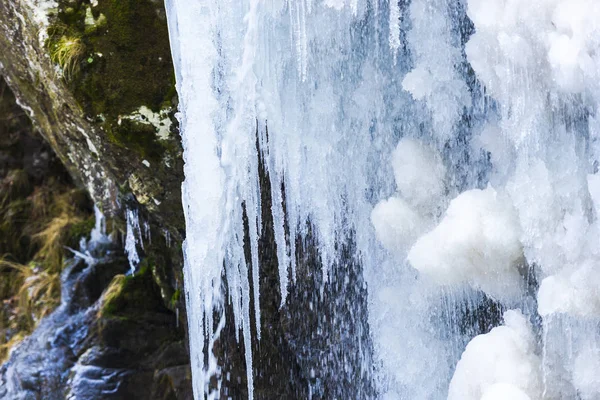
{"type": "Point", "coordinates": [132, 239]}
{"type": "Point", "coordinates": [394, 26]}
{"type": "Point", "coordinates": [279, 228]}
{"type": "Point", "coordinates": [147, 233]}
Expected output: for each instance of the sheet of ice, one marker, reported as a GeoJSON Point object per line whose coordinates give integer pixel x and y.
{"type": "Point", "coordinates": [500, 364]}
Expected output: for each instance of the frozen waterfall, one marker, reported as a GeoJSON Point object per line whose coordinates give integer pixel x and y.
{"type": "Point", "coordinates": [454, 142]}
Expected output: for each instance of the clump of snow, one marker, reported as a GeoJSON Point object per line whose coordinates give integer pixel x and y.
{"type": "Point", "coordinates": [554, 42]}
{"type": "Point", "coordinates": [419, 173]}
{"type": "Point", "coordinates": [438, 84]}
{"type": "Point", "coordinates": [420, 176]}
{"type": "Point", "coordinates": [501, 364]}
{"type": "Point", "coordinates": [159, 120]}
{"type": "Point", "coordinates": [397, 225]}
{"type": "Point", "coordinates": [477, 242]}
{"type": "Point", "coordinates": [585, 374]}
{"type": "Point", "coordinates": [419, 82]}
{"type": "Point", "coordinates": [575, 293]}
{"type": "Point", "coordinates": [504, 391]}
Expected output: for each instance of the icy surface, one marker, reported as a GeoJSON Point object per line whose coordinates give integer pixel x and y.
{"type": "Point", "coordinates": [457, 143]}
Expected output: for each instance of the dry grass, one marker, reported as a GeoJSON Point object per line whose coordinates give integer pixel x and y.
{"type": "Point", "coordinates": [5, 348]}
{"type": "Point", "coordinates": [36, 294]}
{"type": "Point", "coordinates": [51, 240]}
{"type": "Point", "coordinates": [66, 49]}
{"type": "Point", "coordinates": [30, 289]}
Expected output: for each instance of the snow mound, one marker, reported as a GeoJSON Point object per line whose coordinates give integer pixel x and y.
{"type": "Point", "coordinates": [397, 225]}
{"type": "Point", "coordinates": [574, 294]}
{"type": "Point", "coordinates": [504, 391]}
{"type": "Point", "coordinates": [501, 364]}
{"type": "Point", "coordinates": [477, 242]}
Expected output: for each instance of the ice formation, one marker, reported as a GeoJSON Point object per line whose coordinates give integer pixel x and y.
{"type": "Point", "coordinates": [133, 238]}
{"type": "Point", "coordinates": [420, 183]}
{"type": "Point", "coordinates": [585, 373]}
{"type": "Point", "coordinates": [477, 242]}
{"type": "Point", "coordinates": [456, 142]}
{"type": "Point", "coordinates": [500, 364]}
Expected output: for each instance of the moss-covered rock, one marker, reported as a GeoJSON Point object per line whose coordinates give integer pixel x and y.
{"type": "Point", "coordinates": [128, 296]}
{"type": "Point", "coordinates": [120, 64]}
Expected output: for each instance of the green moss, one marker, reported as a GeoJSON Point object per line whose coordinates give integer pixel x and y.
{"type": "Point", "coordinates": [80, 230]}
{"type": "Point", "coordinates": [127, 65]}
{"type": "Point", "coordinates": [128, 296]}
{"type": "Point", "coordinates": [136, 136]}
{"type": "Point", "coordinates": [175, 298]}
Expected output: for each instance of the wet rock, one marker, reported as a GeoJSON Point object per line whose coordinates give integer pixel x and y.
{"type": "Point", "coordinates": [125, 345]}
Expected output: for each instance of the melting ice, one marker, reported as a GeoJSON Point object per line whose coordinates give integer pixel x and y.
{"type": "Point", "coordinates": [456, 140]}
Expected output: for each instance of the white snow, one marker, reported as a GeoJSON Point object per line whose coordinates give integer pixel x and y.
{"type": "Point", "coordinates": [397, 225]}
{"type": "Point", "coordinates": [419, 175]}
{"type": "Point", "coordinates": [501, 364]}
{"type": "Point", "coordinates": [585, 373]}
{"type": "Point", "coordinates": [40, 11]}
{"type": "Point", "coordinates": [437, 83]}
{"type": "Point", "coordinates": [477, 242]}
{"type": "Point", "coordinates": [159, 120]}
{"type": "Point", "coordinates": [504, 391]}
{"type": "Point", "coordinates": [576, 293]}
